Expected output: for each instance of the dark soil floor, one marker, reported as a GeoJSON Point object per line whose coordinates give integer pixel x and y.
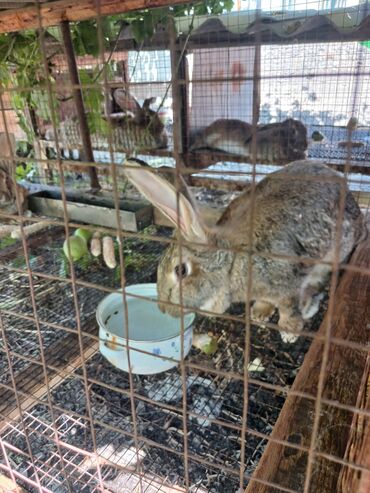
{"type": "Point", "coordinates": [213, 448]}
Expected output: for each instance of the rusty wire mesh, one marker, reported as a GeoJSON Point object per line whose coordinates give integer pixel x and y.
{"type": "Point", "coordinates": [70, 421]}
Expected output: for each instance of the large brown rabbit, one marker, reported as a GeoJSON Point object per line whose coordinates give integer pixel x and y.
{"type": "Point", "coordinates": [296, 211]}
{"type": "Point", "coordinates": [275, 142]}
{"type": "Point", "coordinates": [138, 129]}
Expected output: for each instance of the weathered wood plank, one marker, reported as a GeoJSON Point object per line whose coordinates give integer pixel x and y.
{"type": "Point", "coordinates": [358, 448]}
{"type": "Point", "coordinates": [9, 486]}
{"type": "Point", "coordinates": [52, 13]}
{"type": "Point", "coordinates": [286, 466]}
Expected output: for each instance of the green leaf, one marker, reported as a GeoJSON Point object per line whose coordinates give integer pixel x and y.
{"type": "Point", "coordinates": [40, 101]}
{"type": "Point", "coordinates": [25, 126]}
{"type": "Point", "coordinates": [93, 96]}
{"type": "Point", "coordinates": [97, 124]}
{"type": "Point", "coordinates": [7, 241]}
{"type": "Point", "coordinates": [18, 101]}
{"type": "Point", "coordinates": [148, 26]}
{"type": "Point", "coordinates": [87, 36]}
{"type": "Point", "coordinates": [22, 172]}
{"type": "Point", "coordinates": [55, 32]}
{"type": "Point", "coordinates": [228, 5]}
{"type": "Point", "coordinates": [19, 262]}
{"type": "Point", "coordinates": [138, 30]}
{"type": "Point", "coordinates": [78, 44]}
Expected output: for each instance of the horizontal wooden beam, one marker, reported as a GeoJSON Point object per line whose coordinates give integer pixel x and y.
{"type": "Point", "coordinates": [52, 13]}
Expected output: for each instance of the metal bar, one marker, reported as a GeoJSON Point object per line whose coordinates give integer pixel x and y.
{"type": "Point", "coordinates": [73, 276]}
{"type": "Point", "coordinates": [178, 149]}
{"type": "Point", "coordinates": [113, 170]}
{"type": "Point", "coordinates": [250, 218]}
{"type": "Point", "coordinates": [256, 85]}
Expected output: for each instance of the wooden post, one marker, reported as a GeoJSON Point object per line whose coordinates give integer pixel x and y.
{"type": "Point", "coordinates": [77, 96]}
{"type": "Point", "coordinates": [358, 448]}
{"type": "Point", "coordinates": [286, 466]}
{"type": "Point", "coordinates": [8, 486]}
{"type": "Point", "coordinates": [256, 85]}
{"type": "Point", "coordinates": [51, 13]}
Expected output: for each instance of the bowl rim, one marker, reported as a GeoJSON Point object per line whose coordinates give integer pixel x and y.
{"type": "Point", "coordinates": [103, 327]}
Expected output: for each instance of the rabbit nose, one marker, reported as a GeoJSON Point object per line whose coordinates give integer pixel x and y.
{"type": "Point", "coordinates": [172, 310]}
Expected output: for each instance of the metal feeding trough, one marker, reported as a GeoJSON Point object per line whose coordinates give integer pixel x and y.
{"type": "Point", "coordinates": [100, 211]}
{"type": "Point", "coordinates": [154, 338]}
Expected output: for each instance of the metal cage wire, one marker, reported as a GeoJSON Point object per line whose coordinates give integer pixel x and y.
{"type": "Point", "coordinates": [70, 421]}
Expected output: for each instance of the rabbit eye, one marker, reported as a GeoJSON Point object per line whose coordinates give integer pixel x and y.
{"type": "Point", "coordinates": [181, 270]}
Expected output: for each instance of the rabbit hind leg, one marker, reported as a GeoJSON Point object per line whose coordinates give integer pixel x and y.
{"type": "Point", "coordinates": [311, 290]}
{"type": "Point", "coordinates": [291, 321]}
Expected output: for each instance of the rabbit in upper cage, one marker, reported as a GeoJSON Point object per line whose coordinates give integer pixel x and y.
{"type": "Point", "coordinates": [144, 128]}
{"type": "Point", "coordinates": [275, 142]}
{"type": "Point", "coordinates": [296, 212]}
{"type": "Point", "coordinates": [137, 129]}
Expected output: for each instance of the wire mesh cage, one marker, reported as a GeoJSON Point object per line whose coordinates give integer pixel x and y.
{"type": "Point", "coordinates": [184, 200]}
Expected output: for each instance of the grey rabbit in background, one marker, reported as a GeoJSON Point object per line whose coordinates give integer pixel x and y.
{"type": "Point", "coordinates": [275, 142]}
{"type": "Point", "coordinates": [138, 128]}
{"type": "Point", "coordinates": [296, 211]}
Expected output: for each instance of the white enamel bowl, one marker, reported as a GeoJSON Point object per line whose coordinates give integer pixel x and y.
{"type": "Point", "coordinates": [150, 331]}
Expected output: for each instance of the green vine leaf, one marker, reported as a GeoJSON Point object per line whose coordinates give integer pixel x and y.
{"type": "Point", "coordinates": [56, 33]}
{"type": "Point", "coordinates": [94, 99]}
{"type": "Point", "coordinates": [87, 39]}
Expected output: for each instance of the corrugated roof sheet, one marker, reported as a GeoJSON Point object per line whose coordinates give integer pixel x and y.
{"type": "Point", "coordinates": [237, 28]}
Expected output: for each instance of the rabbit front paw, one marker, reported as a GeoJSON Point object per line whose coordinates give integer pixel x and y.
{"type": "Point", "coordinates": [288, 337]}
{"type": "Point", "coordinates": [293, 324]}
{"type": "Point", "coordinates": [262, 311]}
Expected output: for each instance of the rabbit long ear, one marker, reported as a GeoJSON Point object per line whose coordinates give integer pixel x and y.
{"type": "Point", "coordinates": [148, 102]}
{"type": "Point", "coordinates": [125, 101]}
{"type": "Point", "coordinates": [163, 196]}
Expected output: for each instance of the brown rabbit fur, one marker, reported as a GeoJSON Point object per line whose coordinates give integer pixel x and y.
{"type": "Point", "coordinates": [275, 142]}
{"type": "Point", "coordinates": [296, 211]}
{"type": "Point", "coordinates": [136, 128]}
